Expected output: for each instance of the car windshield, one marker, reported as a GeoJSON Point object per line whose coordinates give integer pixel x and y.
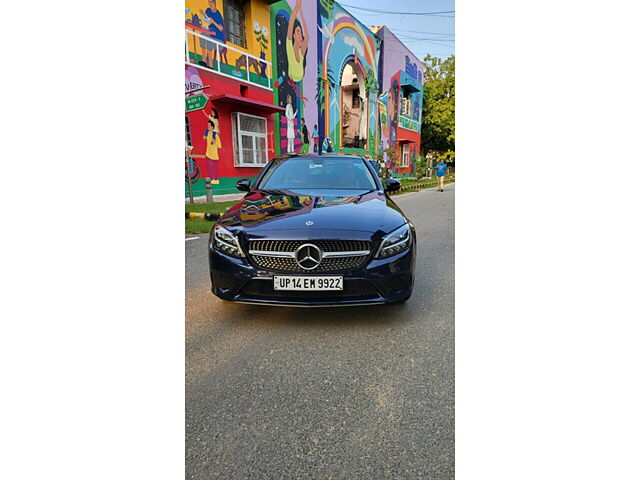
{"type": "Point", "coordinates": [318, 173]}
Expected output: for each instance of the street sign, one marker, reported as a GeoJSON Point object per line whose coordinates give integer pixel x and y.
{"type": "Point", "coordinates": [197, 102]}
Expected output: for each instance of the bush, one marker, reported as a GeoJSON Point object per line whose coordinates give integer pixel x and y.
{"type": "Point", "coordinates": [421, 167]}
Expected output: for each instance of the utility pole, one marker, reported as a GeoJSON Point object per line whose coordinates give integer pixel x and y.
{"type": "Point", "coordinates": [187, 151]}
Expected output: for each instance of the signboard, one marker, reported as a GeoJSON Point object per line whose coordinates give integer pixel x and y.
{"type": "Point", "coordinates": [197, 102]}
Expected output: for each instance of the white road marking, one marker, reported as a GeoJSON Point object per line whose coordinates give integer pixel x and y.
{"type": "Point", "coordinates": [191, 238]}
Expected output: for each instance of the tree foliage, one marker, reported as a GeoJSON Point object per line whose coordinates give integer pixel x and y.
{"type": "Point", "coordinates": [438, 114]}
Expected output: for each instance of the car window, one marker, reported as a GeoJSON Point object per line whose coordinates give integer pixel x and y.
{"type": "Point", "coordinates": [318, 173]}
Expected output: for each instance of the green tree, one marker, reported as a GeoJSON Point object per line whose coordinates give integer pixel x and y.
{"type": "Point", "coordinates": [438, 105]}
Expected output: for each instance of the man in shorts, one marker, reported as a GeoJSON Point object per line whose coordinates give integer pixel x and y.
{"type": "Point", "coordinates": [441, 171]}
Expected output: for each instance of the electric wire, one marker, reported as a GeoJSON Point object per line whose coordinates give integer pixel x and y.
{"type": "Point", "coordinates": [388, 12]}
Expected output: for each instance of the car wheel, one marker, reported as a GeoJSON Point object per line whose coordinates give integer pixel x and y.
{"type": "Point", "coordinates": [404, 300]}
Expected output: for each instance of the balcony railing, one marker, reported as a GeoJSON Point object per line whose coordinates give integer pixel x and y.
{"type": "Point", "coordinates": [408, 123]}
{"type": "Point", "coordinates": [204, 52]}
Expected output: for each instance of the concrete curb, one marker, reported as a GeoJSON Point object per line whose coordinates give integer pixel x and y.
{"type": "Point", "coordinates": [201, 216]}
{"type": "Point", "coordinates": [420, 186]}
{"type": "Point", "coordinates": [227, 197]}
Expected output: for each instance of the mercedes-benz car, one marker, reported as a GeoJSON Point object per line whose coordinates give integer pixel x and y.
{"type": "Point", "coordinates": [314, 230]}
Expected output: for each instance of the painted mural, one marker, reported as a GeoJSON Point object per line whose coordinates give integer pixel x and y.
{"type": "Point", "coordinates": [210, 44]}
{"type": "Point", "coordinates": [294, 51]}
{"type": "Point", "coordinates": [320, 78]}
{"type": "Point", "coordinates": [345, 41]}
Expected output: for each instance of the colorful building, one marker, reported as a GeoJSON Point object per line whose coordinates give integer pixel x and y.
{"type": "Point", "coordinates": [274, 76]}
{"type": "Point", "coordinates": [400, 101]}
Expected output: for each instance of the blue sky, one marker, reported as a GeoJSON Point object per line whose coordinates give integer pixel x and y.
{"type": "Point", "coordinates": [422, 34]}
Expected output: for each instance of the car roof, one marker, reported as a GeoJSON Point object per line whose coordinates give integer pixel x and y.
{"type": "Point", "coordinates": [317, 155]}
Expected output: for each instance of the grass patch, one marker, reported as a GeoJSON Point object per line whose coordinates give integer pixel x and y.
{"type": "Point", "coordinates": [204, 226]}
{"type": "Point", "coordinates": [429, 183]}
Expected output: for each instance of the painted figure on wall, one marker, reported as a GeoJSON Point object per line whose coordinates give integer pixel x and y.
{"type": "Point", "coordinates": [383, 122]}
{"type": "Point", "coordinates": [315, 137]}
{"type": "Point", "coordinates": [304, 133]}
{"type": "Point", "coordinates": [213, 21]}
{"type": "Point", "coordinates": [291, 47]}
{"type": "Point", "coordinates": [290, 114]}
{"type": "Point", "coordinates": [213, 144]}
{"type": "Point", "coordinates": [394, 94]}
{"type": "Point", "coordinates": [297, 44]}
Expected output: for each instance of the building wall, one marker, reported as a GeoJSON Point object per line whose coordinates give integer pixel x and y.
{"type": "Point", "coordinates": [399, 66]}
{"type": "Point", "coordinates": [227, 75]}
{"type": "Point", "coordinates": [228, 172]}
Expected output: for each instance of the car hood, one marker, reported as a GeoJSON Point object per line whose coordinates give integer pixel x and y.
{"type": "Point", "coordinates": [367, 211]}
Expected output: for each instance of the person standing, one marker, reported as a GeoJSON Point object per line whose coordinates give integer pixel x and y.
{"type": "Point", "coordinates": [315, 138]}
{"type": "Point", "coordinates": [305, 137]}
{"type": "Point", "coordinates": [441, 171]}
{"type": "Point", "coordinates": [291, 115]}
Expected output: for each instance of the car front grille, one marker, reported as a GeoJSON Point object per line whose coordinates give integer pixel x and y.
{"type": "Point", "coordinates": [278, 255]}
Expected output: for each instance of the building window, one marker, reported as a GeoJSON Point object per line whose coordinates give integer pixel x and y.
{"type": "Point", "coordinates": [234, 23]}
{"type": "Point", "coordinates": [249, 140]}
{"type": "Point", "coordinates": [406, 106]}
{"type": "Point", "coordinates": [405, 155]}
{"type": "Point", "coordinates": [355, 100]}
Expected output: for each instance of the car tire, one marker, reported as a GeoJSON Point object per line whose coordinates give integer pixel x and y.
{"type": "Point", "coordinates": [404, 300]}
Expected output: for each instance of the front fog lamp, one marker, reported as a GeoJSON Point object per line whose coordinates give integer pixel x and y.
{"type": "Point", "coordinates": [226, 242]}
{"type": "Point", "coordinates": [396, 242]}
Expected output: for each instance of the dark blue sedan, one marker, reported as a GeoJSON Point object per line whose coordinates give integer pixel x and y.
{"type": "Point", "coordinates": [314, 230]}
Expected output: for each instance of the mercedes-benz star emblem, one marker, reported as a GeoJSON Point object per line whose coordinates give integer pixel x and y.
{"type": "Point", "coordinates": [308, 256]}
{"type": "Point", "coordinates": [308, 223]}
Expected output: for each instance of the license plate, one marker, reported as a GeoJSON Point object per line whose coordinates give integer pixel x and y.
{"type": "Point", "coordinates": [307, 283]}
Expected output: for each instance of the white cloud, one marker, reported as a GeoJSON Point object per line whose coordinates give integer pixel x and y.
{"type": "Point", "coordinates": [355, 43]}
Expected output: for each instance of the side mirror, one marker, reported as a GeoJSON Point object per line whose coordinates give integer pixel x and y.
{"type": "Point", "coordinates": [392, 185]}
{"type": "Point", "coordinates": [244, 184]}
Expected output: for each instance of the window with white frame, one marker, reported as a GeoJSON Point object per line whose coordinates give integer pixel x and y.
{"type": "Point", "coordinates": [405, 155]}
{"type": "Point", "coordinates": [249, 140]}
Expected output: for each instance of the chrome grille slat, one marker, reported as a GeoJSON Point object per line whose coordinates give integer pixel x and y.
{"type": "Point", "coordinates": [338, 255]}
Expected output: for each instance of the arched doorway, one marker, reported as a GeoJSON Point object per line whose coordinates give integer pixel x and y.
{"type": "Point", "coordinates": [354, 107]}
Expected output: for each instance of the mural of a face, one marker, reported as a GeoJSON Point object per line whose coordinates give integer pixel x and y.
{"type": "Point", "coordinates": [297, 34]}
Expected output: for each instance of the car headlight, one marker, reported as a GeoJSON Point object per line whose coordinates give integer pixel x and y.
{"type": "Point", "coordinates": [226, 242]}
{"type": "Point", "coordinates": [395, 242]}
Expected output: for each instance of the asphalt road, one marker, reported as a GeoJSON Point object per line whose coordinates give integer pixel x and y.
{"type": "Point", "coordinates": [329, 393]}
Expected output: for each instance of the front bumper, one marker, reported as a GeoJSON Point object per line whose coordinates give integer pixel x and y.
{"type": "Point", "coordinates": [378, 281]}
